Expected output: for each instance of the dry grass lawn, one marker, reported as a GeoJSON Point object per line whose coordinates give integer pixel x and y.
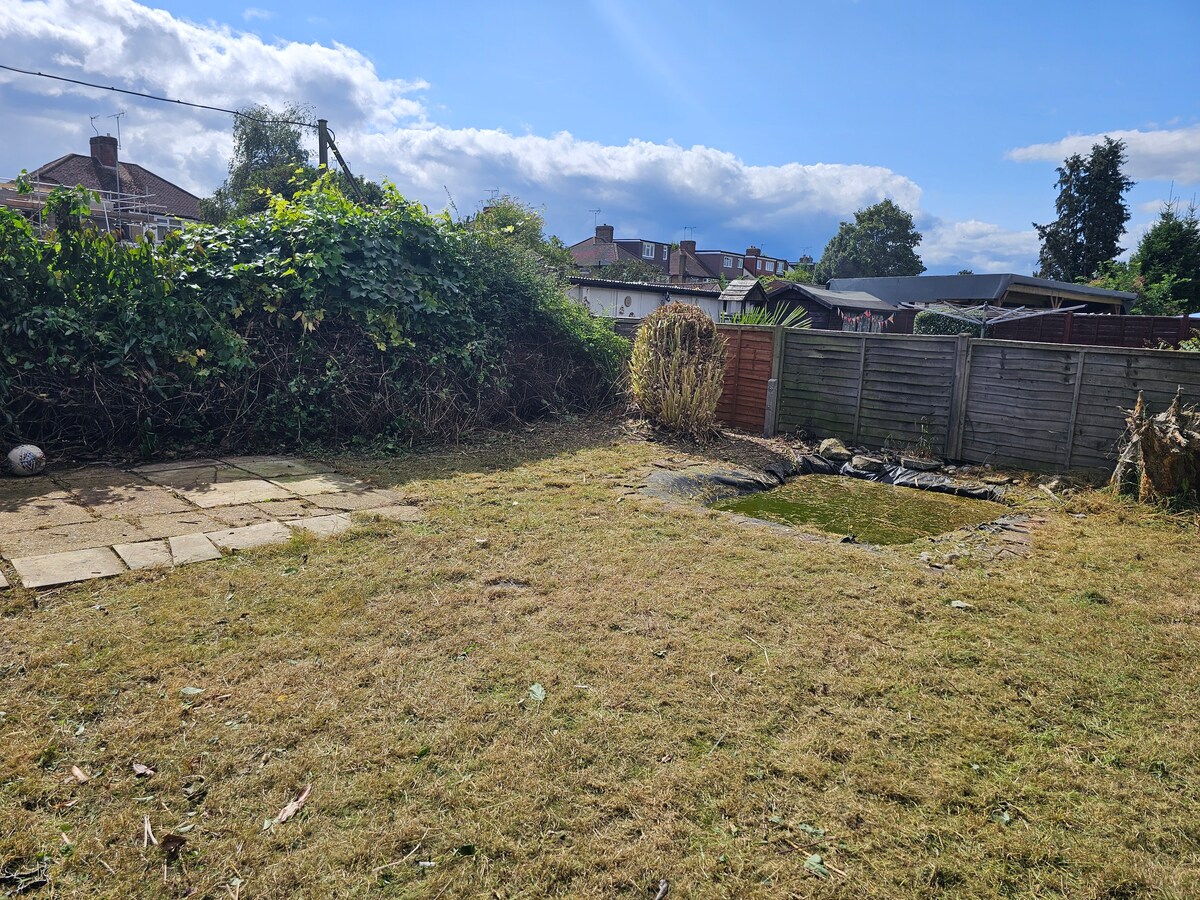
{"type": "Point", "coordinates": [721, 702]}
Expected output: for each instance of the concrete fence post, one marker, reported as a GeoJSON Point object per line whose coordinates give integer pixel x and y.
{"type": "Point", "coordinates": [774, 385]}
{"type": "Point", "coordinates": [958, 397]}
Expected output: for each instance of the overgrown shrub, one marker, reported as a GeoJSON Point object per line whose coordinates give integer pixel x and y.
{"type": "Point", "coordinates": [929, 322]}
{"type": "Point", "coordinates": [677, 369]}
{"type": "Point", "coordinates": [316, 321]}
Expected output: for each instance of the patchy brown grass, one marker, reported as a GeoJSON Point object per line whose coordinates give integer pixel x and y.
{"type": "Point", "coordinates": [722, 701]}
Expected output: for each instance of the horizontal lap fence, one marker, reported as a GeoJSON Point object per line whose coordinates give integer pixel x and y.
{"type": "Point", "coordinates": [1036, 406]}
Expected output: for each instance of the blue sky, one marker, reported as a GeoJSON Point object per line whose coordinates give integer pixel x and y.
{"type": "Point", "coordinates": [765, 123]}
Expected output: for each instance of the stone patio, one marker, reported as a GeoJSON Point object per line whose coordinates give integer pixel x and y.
{"type": "Point", "coordinates": [100, 521]}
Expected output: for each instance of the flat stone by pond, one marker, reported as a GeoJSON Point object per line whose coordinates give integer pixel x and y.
{"type": "Point", "coordinates": [873, 513]}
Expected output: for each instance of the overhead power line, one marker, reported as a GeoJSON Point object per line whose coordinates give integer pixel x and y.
{"type": "Point", "coordinates": [103, 87]}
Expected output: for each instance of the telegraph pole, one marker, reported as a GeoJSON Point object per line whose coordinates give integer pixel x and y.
{"type": "Point", "coordinates": [323, 142]}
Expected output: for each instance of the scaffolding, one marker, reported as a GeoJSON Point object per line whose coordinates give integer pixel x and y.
{"type": "Point", "coordinates": [129, 215]}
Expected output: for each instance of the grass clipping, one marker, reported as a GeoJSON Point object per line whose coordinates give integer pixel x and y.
{"type": "Point", "coordinates": [677, 369]}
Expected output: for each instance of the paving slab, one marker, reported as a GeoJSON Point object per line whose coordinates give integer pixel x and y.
{"type": "Point", "coordinates": [288, 509]}
{"type": "Point", "coordinates": [128, 498]}
{"type": "Point", "coordinates": [3, 581]}
{"type": "Point", "coordinates": [92, 475]}
{"type": "Point", "coordinates": [251, 536]}
{"type": "Point", "coordinates": [172, 524]}
{"type": "Point", "coordinates": [174, 465]}
{"type": "Point", "coordinates": [324, 526]}
{"type": "Point", "coordinates": [64, 568]}
{"type": "Point", "coordinates": [311, 485]}
{"type": "Point", "coordinates": [238, 516]}
{"type": "Point", "coordinates": [144, 554]}
{"type": "Point", "coordinates": [42, 511]}
{"type": "Point", "coordinates": [64, 538]}
{"type": "Point", "coordinates": [191, 548]}
{"type": "Point", "coordinates": [394, 513]}
{"type": "Point", "coordinates": [275, 466]}
{"type": "Point", "coordinates": [15, 490]}
{"type": "Point", "coordinates": [354, 500]}
{"type": "Point", "coordinates": [233, 493]}
{"type": "Point", "coordinates": [194, 477]}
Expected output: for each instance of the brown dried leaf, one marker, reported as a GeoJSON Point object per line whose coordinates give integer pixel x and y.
{"type": "Point", "coordinates": [142, 771]}
{"type": "Point", "coordinates": [294, 806]}
{"type": "Point", "coordinates": [79, 775]}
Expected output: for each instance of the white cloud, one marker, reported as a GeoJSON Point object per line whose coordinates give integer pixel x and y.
{"type": "Point", "coordinates": [1169, 154]}
{"type": "Point", "coordinates": [979, 246]}
{"type": "Point", "coordinates": [254, 12]}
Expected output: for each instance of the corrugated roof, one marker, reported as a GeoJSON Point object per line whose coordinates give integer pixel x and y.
{"type": "Point", "coordinates": [968, 288]}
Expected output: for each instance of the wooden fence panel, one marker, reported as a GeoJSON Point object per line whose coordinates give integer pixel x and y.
{"type": "Point", "coordinates": [907, 392]}
{"type": "Point", "coordinates": [818, 392]}
{"type": "Point", "coordinates": [748, 363]}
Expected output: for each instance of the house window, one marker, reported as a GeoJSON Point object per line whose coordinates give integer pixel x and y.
{"type": "Point", "coordinates": [647, 251]}
{"type": "Point", "coordinates": [778, 267]}
{"type": "Point", "coordinates": [728, 262]}
{"type": "Point", "coordinates": [666, 250]}
{"type": "Point", "coordinates": [760, 265]}
{"type": "Point", "coordinates": [737, 262]}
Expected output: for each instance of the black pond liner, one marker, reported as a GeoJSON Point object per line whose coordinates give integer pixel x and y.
{"type": "Point", "coordinates": [899, 476]}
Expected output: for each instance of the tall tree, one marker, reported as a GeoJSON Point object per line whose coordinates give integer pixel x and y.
{"type": "Point", "coordinates": [268, 155]}
{"type": "Point", "coordinates": [1172, 248]}
{"type": "Point", "coordinates": [881, 241]}
{"type": "Point", "coordinates": [1092, 213]}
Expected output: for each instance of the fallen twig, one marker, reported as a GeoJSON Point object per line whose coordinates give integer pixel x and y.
{"type": "Point", "coordinates": [294, 806]}
{"type": "Point", "coordinates": [148, 837]}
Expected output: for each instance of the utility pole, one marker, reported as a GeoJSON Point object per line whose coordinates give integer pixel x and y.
{"type": "Point", "coordinates": [323, 142]}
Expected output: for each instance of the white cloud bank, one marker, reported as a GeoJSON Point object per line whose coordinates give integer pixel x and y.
{"type": "Point", "coordinates": [383, 128]}
{"type": "Point", "coordinates": [1171, 154]}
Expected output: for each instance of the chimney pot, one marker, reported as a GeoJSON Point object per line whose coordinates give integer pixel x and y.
{"type": "Point", "coordinates": [604, 234]}
{"type": "Point", "coordinates": [104, 150]}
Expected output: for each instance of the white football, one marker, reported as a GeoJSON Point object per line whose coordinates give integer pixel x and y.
{"type": "Point", "coordinates": [26, 460]}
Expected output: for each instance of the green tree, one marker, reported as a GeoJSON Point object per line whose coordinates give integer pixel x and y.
{"type": "Point", "coordinates": [1154, 298]}
{"type": "Point", "coordinates": [1092, 213]}
{"type": "Point", "coordinates": [881, 241]}
{"type": "Point", "coordinates": [1172, 248]}
{"type": "Point", "coordinates": [522, 225]}
{"type": "Point", "coordinates": [268, 156]}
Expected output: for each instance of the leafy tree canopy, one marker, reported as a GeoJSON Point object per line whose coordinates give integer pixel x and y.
{"type": "Point", "coordinates": [1092, 213]}
{"type": "Point", "coordinates": [523, 226]}
{"type": "Point", "coordinates": [1171, 248]}
{"type": "Point", "coordinates": [630, 270]}
{"type": "Point", "coordinates": [1155, 298]}
{"type": "Point", "coordinates": [881, 241]}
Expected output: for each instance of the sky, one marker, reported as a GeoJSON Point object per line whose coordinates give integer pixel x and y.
{"type": "Point", "coordinates": [763, 125]}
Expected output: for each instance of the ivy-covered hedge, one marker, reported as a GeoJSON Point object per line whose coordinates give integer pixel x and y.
{"type": "Point", "coordinates": [317, 321]}
{"type": "Point", "coordinates": [929, 322]}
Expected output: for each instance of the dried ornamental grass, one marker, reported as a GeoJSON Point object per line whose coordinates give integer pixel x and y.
{"type": "Point", "coordinates": [677, 369]}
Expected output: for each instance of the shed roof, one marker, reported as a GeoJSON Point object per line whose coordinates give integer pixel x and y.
{"type": "Point", "coordinates": [744, 289]}
{"type": "Point", "coordinates": [828, 298]}
{"type": "Point", "coordinates": [973, 288]}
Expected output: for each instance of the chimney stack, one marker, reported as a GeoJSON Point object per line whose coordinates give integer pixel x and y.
{"type": "Point", "coordinates": [604, 234]}
{"type": "Point", "coordinates": [104, 150]}
{"type": "Point", "coordinates": [688, 247]}
{"type": "Point", "coordinates": [753, 251]}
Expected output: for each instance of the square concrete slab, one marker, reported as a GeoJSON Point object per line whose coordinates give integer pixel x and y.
{"type": "Point", "coordinates": [393, 513]}
{"type": "Point", "coordinates": [172, 524]}
{"type": "Point", "coordinates": [174, 465]}
{"type": "Point", "coordinates": [64, 568]}
{"type": "Point", "coordinates": [43, 511]}
{"type": "Point", "coordinates": [324, 526]}
{"type": "Point", "coordinates": [14, 490]}
{"type": "Point", "coordinates": [64, 538]}
{"type": "Point", "coordinates": [251, 536]}
{"type": "Point", "coordinates": [275, 466]}
{"type": "Point", "coordinates": [94, 475]}
{"type": "Point", "coordinates": [191, 548]}
{"type": "Point", "coordinates": [232, 493]}
{"type": "Point", "coordinates": [352, 500]}
{"type": "Point", "coordinates": [239, 516]}
{"type": "Point", "coordinates": [144, 554]}
{"type": "Point", "coordinates": [311, 485]}
{"type": "Point", "coordinates": [3, 581]}
{"type": "Point", "coordinates": [287, 509]}
{"type": "Point", "coordinates": [128, 499]}
{"type": "Point", "coordinates": [197, 476]}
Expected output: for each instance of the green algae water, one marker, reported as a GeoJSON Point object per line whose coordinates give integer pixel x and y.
{"type": "Point", "coordinates": [874, 513]}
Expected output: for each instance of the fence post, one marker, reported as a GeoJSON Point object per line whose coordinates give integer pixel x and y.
{"type": "Point", "coordinates": [1183, 329]}
{"type": "Point", "coordinates": [862, 365]}
{"type": "Point", "coordinates": [774, 385]}
{"type": "Point", "coordinates": [1075, 406]}
{"type": "Point", "coordinates": [1068, 321]}
{"type": "Point", "coordinates": [958, 398]}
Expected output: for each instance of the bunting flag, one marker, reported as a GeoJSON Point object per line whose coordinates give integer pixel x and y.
{"type": "Point", "coordinates": [865, 322]}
